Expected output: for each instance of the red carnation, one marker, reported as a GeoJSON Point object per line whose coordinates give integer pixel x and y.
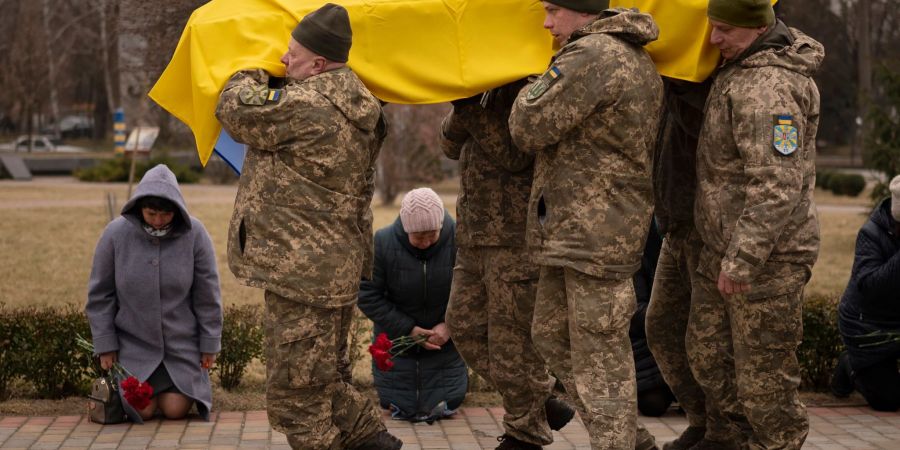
{"type": "Point", "coordinates": [382, 342]}
{"type": "Point", "coordinates": [383, 350]}
{"type": "Point", "coordinates": [137, 394]}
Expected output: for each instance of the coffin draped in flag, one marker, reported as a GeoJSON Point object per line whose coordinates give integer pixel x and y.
{"type": "Point", "coordinates": [405, 51]}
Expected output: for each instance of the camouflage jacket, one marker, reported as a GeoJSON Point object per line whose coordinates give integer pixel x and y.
{"type": "Point", "coordinates": [495, 175]}
{"type": "Point", "coordinates": [302, 223]}
{"type": "Point", "coordinates": [591, 120]}
{"type": "Point", "coordinates": [756, 160]}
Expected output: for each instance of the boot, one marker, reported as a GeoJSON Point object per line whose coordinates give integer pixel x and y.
{"type": "Point", "coordinates": [706, 444]}
{"type": "Point", "coordinates": [508, 442]}
{"type": "Point", "coordinates": [645, 440]}
{"type": "Point", "coordinates": [689, 438]}
{"type": "Point", "coordinates": [842, 379]}
{"type": "Point", "coordinates": [381, 440]}
{"type": "Point", "coordinates": [559, 413]}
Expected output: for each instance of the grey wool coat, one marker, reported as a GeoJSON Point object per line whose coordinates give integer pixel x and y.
{"type": "Point", "coordinates": [156, 300]}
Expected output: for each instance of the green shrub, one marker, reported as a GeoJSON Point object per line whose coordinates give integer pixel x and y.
{"type": "Point", "coordinates": [116, 169]}
{"type": "Point", "coordinates": [12, 339]}
{"type": "Point", "coordinates": [823, 179]}
{"type": "Point", "coordinates": [821, 342]}
{"type": "Point", "coordinates": [53, 363]}
{"type": "Point", "coordinates": [242, 340]}
{"type": "Point", "coordinates": [849, 184]}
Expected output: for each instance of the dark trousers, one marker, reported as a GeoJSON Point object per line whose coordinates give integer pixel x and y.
{"type": "Point", "coordinates": [880, 385]}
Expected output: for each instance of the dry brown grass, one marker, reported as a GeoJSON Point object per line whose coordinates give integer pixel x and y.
{"type": "Point", "coordinates": [49, 229]}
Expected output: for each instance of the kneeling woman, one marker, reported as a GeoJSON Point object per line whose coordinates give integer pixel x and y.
{"type": "Point", "coordinates": [153, 298]}
{"type": "Point", "coordinates": [408, 296]}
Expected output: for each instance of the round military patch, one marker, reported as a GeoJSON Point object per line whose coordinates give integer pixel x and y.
{"type": "Point", "coordinates": [254, 95]}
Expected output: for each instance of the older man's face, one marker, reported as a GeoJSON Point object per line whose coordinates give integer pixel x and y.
{"type": "Point", "coordinates": [562, 22]}
{"type": "Point", "coordinates": [731, 40]}
{"type": "Point", "coordinates": [301, 63]}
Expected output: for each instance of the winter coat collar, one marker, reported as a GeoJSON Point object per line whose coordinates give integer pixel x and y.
{"type": "Point", "coordinates": [784, 47]}
{"type": "Point", "coordinates": [626, 24]}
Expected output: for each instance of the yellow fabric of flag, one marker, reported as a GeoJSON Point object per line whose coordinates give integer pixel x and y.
{"type": "Point", "coordinates": [405, 51]}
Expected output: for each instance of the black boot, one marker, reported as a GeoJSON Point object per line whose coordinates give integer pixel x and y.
{"type": "Point", "coordinates": [689, 438]}
{"type": "Point", "coordinates": [381, 441]}
{"type": "Point", "coordinates": [508, 442]}
{"type": "Point", "coordinates": [559, 413]}
{"type": "Point", "coordinates": [842, 379]}
{"type": "Point", "coordinates": [706, 444]}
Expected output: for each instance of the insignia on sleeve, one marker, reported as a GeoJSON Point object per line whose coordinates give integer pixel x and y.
{"type": "Point", "coordinates": [255, 95]}
{"type": "Point", "coordinates": [784, 135]}
{"type": "Point", "coordinates": [542, 84]}
{"type": "Point", "coordinates": [274, 95]}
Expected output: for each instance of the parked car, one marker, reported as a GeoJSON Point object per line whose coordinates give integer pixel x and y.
{"type": "Point", "coordinates": [73, 126]}
{"type": "Point", "coordinates": [39, 143]}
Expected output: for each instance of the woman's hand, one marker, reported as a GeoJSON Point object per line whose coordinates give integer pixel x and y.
{"type": "Point", "coordinates": [207, 360]}
{"type": "Point", "coordinates": [108, 359]}
{"type": "Point", "coordinates": [419, 331]}
{"type": "Point", "coordinates": [441, 334]}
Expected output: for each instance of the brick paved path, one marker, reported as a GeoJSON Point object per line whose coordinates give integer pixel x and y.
{"type": "Point", "coordinates": [472, 428]}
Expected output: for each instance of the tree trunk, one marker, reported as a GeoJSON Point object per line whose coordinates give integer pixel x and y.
{"type": "Point", "coordinates": [51, 66]}
{"type": "Point", "coordinates": [864, 73]}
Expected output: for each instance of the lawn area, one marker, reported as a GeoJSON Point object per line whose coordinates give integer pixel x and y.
{"type": "Point", "coordinates": [50, 227]}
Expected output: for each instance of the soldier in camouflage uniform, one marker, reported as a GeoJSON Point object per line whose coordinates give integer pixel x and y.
{"type": "Point", "coordinates": [674, 181]}
{"type": "Point", "coordinates": [591, 120]}
{"type": "Point", "coordinates": [302, 228]}
{"type": "Point", "coordinates": [756, 216]}
{"type": "Point", "coordinates": [494, 282]}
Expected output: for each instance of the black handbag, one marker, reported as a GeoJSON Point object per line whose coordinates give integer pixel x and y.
{"type": "Point", "coordinates": [104, 402]}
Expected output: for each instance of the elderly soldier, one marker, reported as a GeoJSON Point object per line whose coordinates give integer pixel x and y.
{"type": "Point", "coordinates": [591, 120]}
{"type": "Point", "coordinates": [301, 228]}
{"type": "Point", "coordinates": [494, 282]}
{"type": "Point", "coordinates": [755, 213]}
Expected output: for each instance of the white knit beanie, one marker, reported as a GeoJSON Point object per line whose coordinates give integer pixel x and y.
{"type": "Point", "coordinates": [421, 210]}
{"type": "Point", "coordinates": [895, 198]}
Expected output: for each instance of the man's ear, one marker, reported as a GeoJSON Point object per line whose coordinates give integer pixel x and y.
{"type": "Point", "coordinates": [319, 65]}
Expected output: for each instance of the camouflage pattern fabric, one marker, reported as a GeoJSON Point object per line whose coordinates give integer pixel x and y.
{"type": "Point", "coordinates": [742, 350]}
{"type": "Point", "coordinates": [302, 224]}
{"type": "Point", "coordinates": [756, 216]}
{"type": "Point", "coordinates": [308, 393]}
{"type": "Point", "coordinates": [591, 121]}
{"type": "Point", "coordinates": [666, 326]}
{"type": "Point", "coordinates": [580, 327]}
{"type": "Point", "coordinates": [495, 176]}
{"type": "Point", "coordinates": [490, 319]}
{"type": "Point", "coordinates": [755, 204]}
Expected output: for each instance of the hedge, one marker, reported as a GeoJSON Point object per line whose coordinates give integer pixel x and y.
{"type": "Point", "coordinates": [848, 184]}
{"type": "Point", "coordinates": [37, 347]}
{"type": "Point", "coordinates": [117, 168]}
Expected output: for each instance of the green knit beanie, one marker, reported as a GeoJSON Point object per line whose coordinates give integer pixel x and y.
{"type": "Point", "coordinates": [326, 32]}
{"type": "Point", "coordinates": [742, 13]}
{"type": "Point", "coordinates": [583, 6]}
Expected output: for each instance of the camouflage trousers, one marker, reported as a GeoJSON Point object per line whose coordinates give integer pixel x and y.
{"type": "Point", "coordinates": [743, 352]}
{"type": "Point", "coordinates": [308, 393]}
{"type": "Point", "coordinates": [489, 315]}
{"type": "Point", "coordinates": [581, 328]}
{"type": "Point", "coordinates": [666, 327]}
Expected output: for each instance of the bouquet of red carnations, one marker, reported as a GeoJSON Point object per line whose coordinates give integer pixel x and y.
{"type": "Point", "coordinates": [384, 350]}
{"type": "Point", "coordinates": [137, 394]}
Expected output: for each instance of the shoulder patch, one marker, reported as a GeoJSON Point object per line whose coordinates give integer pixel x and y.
{"type": "Point", "coordinates": [542, 84]}
{"type": "Point", "coordinates": [785, 137]}
{"type": "Point", "coordinates": [255, 95]}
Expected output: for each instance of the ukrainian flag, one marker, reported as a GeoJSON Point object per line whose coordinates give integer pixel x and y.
{"type": "Point", "coordinates": [405, 51]}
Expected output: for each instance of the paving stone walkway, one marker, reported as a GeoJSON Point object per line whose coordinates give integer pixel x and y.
{"type": "Point", "coordinates": [471, 429]}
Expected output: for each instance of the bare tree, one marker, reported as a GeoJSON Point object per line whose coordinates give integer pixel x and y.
{"type": "Point", "coordinates": [411, 153]}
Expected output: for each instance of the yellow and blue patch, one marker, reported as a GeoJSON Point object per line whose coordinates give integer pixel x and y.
{"type": "Point", "coordinates": [542, 84]}
{"type": "Point", "coordinates": [785, 137]}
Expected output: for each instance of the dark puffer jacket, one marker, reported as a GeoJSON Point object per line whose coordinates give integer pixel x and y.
{"type": "Point", "coordinates": [411, 287]}
{"type": "Point", "coordinates": [647, 372]}
{"type": "Point", "coordinates": [871, 303]}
